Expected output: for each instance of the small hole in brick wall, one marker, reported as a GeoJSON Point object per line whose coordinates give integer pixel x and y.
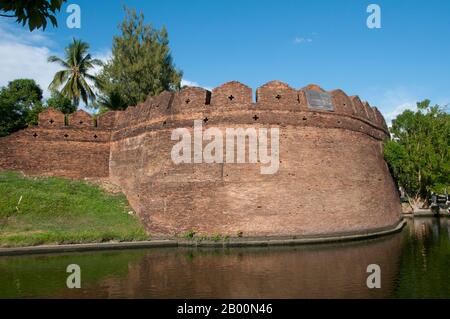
{"type": "Point", "coordinates": [51, 121]}
{"type": "Point", "coordinates": [81, 122]}
{"type": "Point", "coordinates": [304, 119]}
{"type": "Point", "coordinates": [164, 123]}
{"type": "Point", "coordinates": [35, 135]}
{"type": "Point", "coordinates": [66, 136]}
{"type": "Point", "coordinates": [339, 122]}
{"type": "Point", "coordinates": [95, 136]}
{"type": "Point", "coordinates": [188, 101]}
{"type": "Point", "coordinates": [205, 120]}
{"type": "Point", "coordinates": [278, 97]}
{"type": "Point", "coordinates": [256, 117]}
{"type": "Point", "coordinates": [231, 97]}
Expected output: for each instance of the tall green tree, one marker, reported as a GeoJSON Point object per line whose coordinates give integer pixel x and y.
{"type": "Point", "coordinates": [141, 62]}
{"type": "Point", "coordinates": [35, 13]}
{"type": "Point", "coordinates": [59, 102]}
{"type": "Point", "coordinates": [74, 78]}
{"type": "Point", "coordinates": [419, 151]}
{"type": "Point", "coordinates": [20, 102]}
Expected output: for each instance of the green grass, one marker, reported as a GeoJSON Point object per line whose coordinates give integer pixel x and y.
{"type": "Point", "coordinates": [61, 211]}
{"type": "Point", "coordinates": [192, 235]}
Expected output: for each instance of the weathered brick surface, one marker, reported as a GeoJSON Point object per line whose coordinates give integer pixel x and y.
{"type": "Point", "coordinates": [81, 119]}
{"type": "Point", "coordinates": [342, 102]}
{"type": "Point", "coordinates": [191, 99]}
{"type": "Point", "coordinates": [62, 152]}
{"type": "Point", "coordinates": [332, 176]}
{"type": "Point", "coordinates": [277, 95]}
{"type": "Point", "coordinates": [51, 118]}
{"type": "Point", "coordinates": [107, 120]}
{"type": "Point", "coordinates": [230, 95]}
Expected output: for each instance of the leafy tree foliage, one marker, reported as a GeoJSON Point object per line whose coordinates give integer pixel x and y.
{"type": "Point", "coordinates": [61, 103]}
{"type": "Point", "coordinates": [20, 102]}
{"type": "Point", "coordinates": [419, 151]}
{"type": "Point", "coordinates": [74, 78]}
{"type": "Point", "coordinates": [141, 62]}
{"type": "Point", "coordinates": [32, 116]}
{"type": "Point", "coordinates": [35, 13]}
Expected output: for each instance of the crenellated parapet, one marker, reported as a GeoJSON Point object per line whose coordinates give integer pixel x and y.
{"type": "Point", "coordinates": [230, 95]}
{"type": "Point", "coordinates": [81, 119]}
{"type": "Point", "coordinates": [275, 103]}
{"type": "Point", "coordinates": [190, 99]}
{"type": "Point", "coordinates": [342, 102]}
{"type": "Point", "coordinates": [51, 118]}
{"type": "Point", "coordinates": [75, 145]}
{"type": "Point", "coordinates": [80, 126]}
{"type": "Point", "coordinates": [233, 103]}
{"type": "Point", "coordinates": [277, 95]}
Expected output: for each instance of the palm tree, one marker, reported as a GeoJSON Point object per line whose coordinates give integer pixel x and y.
{"type": "Point", "coordinates": [74, 78]}
{"type": "Point", "coordinates": [111, 101]}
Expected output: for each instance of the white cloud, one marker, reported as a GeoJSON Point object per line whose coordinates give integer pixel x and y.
{"type": "Point", "coordinates": [395, 101]}
{"type": "Point", "coordinates": [11, 32]}
{"type": "Point", "coordinates": [300, 40]}
{"type": "Point", "coordinates": [103, 56]}
{"type": "Point", "coordinates": [24, 55]}
{"type": "Point", "coordinates": [397, 110]}
{"type": "Point", "coordinates": [185, 82]}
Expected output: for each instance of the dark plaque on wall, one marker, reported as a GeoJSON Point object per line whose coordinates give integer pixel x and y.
{"type": "Point", "coordinates": [319, 100]}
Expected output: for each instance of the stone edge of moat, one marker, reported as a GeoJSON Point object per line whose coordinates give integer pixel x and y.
{"type": "Point", "coordinates": [169, 243]}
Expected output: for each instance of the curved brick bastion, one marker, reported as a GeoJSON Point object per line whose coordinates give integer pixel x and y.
{"type": "Point", "coordinates": [332, 178]}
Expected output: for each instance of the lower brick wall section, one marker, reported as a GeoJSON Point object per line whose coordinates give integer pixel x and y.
{"type": "Point", "coordinates": [49, 152]}
{"type": "Point", "coordinates": [330, 181]}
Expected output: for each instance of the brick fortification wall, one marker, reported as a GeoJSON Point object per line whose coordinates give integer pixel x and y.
{"type": "Point", "coordinates": [77, 150]}
{"type": "Point", "coordinates": [332, 178]}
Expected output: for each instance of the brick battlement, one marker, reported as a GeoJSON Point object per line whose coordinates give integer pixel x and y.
{"type": "Point", "coordinates": [276, 104]}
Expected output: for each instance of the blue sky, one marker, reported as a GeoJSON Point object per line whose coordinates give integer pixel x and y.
{"type": "Point", "coordinates": [256, 41]}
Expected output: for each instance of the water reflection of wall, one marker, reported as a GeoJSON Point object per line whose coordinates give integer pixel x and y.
{"type": "Point", "coordinates": [331, 271]}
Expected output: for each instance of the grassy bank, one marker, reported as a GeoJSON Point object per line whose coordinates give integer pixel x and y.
{"type": "Point", "coordinates": [61, 211]}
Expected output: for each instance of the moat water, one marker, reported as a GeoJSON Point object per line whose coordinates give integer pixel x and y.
{"type": "Point", "coordinates": [414, 263]}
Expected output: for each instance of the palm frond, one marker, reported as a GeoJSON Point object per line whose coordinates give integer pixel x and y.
{"type": "Point", "coordinates": [55, 59]}
{"type": "Point", "coordinates": [59, 79]}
